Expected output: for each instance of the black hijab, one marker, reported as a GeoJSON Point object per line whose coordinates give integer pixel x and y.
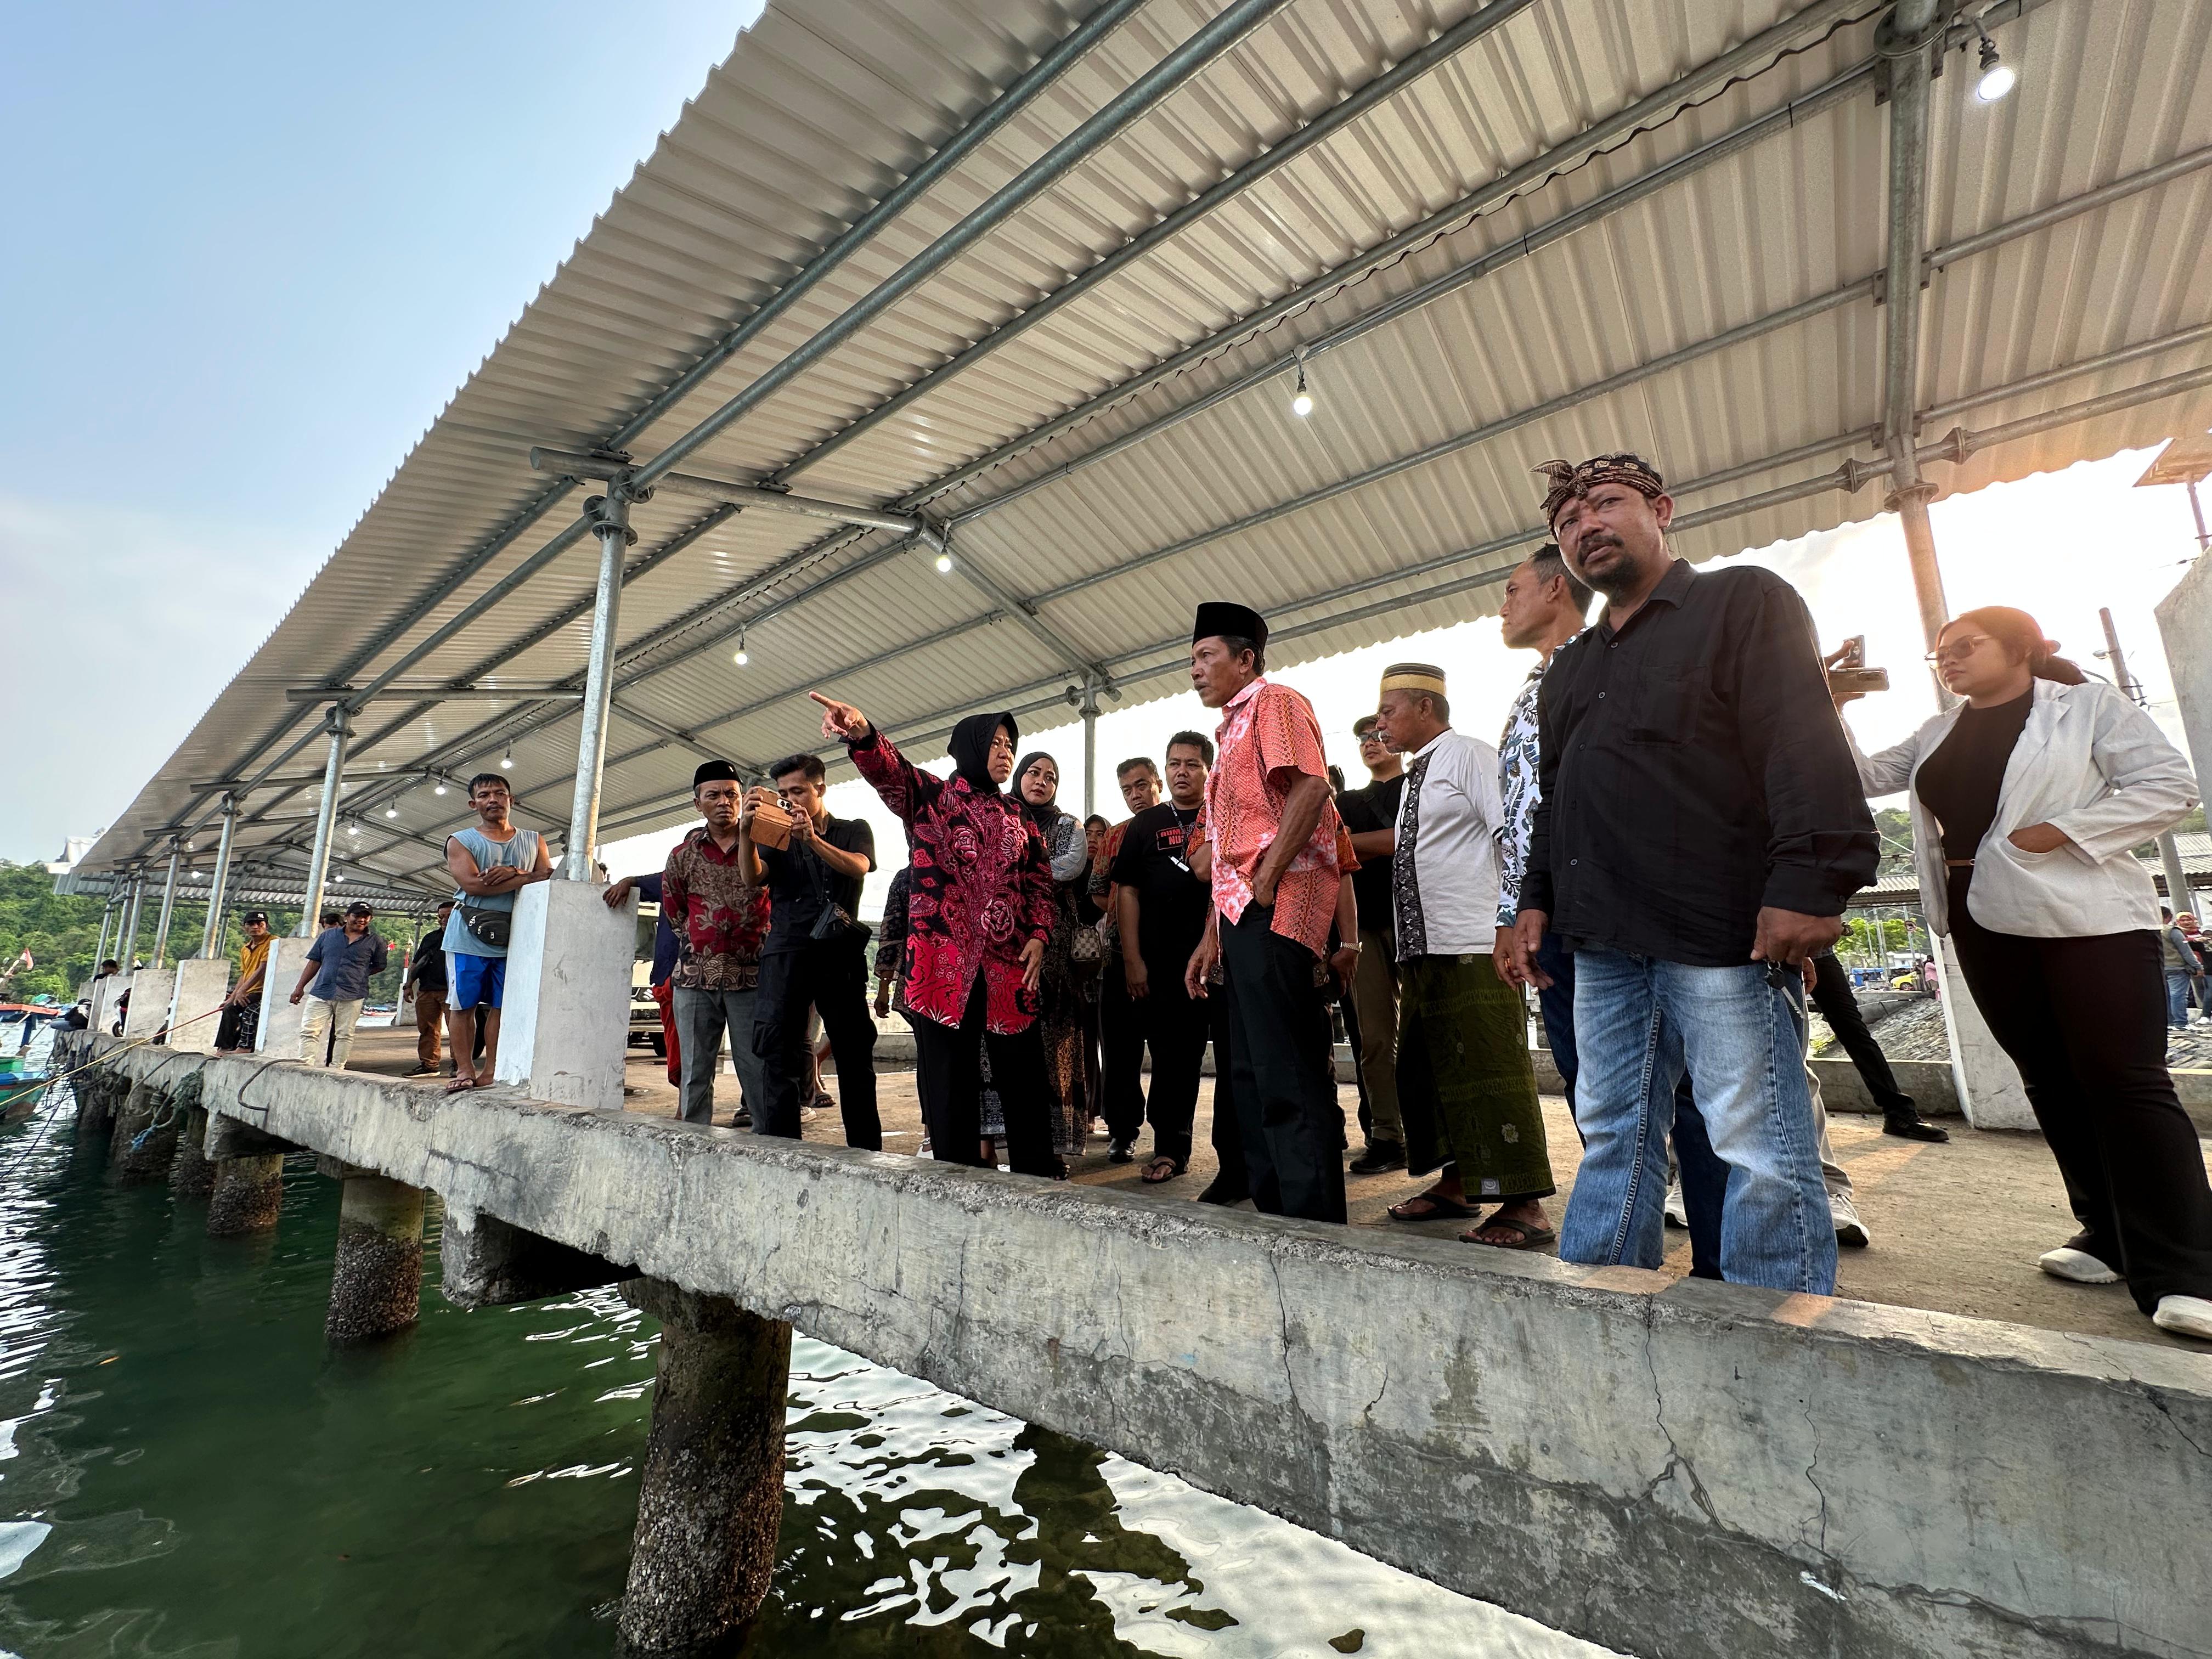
{"type": "Point", "coordinates": [970, 748]}
{"type": "Point", "coordinates": [1047, 815]}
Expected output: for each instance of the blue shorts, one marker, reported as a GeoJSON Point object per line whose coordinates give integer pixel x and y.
{"type": "Point", "coordinates": [474, 981]}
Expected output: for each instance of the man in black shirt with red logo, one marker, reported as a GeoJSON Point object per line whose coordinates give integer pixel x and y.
{"type": "Point", "coordinates": [1162, 913]}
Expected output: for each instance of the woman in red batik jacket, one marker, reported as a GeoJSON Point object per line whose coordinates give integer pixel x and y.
{"type": "Point", "coordinates": [979, 910]}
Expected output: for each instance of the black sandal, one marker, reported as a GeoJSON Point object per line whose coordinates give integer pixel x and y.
{"type": "Point", "coordinates": [1175, 1168]}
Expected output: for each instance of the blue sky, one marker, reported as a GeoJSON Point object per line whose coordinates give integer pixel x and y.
{"type": "Point", "coordinates": [257, 247]}
{"type": "Point", "coordinates": [254, 248]}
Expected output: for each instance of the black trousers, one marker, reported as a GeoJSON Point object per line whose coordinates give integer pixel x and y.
{"type": "Point", "coordinates": [830, 975]}
{"type": "Point", "coordinates": [949, 1076]}
{"type": "Point", "coordinates": [1178, 1031]}
{"type": "Point", "coordinates": [1291, 1127]}
{"type": "Point", "coordinates": [1121, 1056]}
{"type": "Point", "coordinates": [2085, 1021]}
{"type": "Point", "coordinates": [1832, 996]}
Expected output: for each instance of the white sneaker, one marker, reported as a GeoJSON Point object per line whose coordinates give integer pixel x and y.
{"type": "Point", "coordinates": [2184, 1316]}
{"type": "Point", "coordinates": [1678, 1214]}
{"type": "Point", "coordinates": [2078, 1266]}
{"type": "Point", "coordinates": [1850, 1229]}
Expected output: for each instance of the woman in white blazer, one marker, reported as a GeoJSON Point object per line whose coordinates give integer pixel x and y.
{"type": "Point", "coordinates": [2028, 798]}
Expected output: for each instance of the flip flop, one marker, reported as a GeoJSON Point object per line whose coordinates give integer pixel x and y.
{"type": "Point", "coordinates": [1151, 1177]}
{"type": "Point", "coordinates": [461, 1086]}
{"type": "Point", "coordinates": [1531, 1238]}
{"type": "Point", "coordinates": [1440, 1209]}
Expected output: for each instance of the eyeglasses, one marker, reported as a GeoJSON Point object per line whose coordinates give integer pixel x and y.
{"type": "Point", "coordinates": [1957, 650]}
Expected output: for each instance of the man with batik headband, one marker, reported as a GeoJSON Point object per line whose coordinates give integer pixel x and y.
{"type": "Point", "coordinates": [1276, 881]}
{"type": "Point", "coordinates": [1465, 1088]}
{"type": "Point", "coordinates": [1697, 834]}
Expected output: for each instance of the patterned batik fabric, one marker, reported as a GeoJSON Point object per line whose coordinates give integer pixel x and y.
{"type": "Point", "coordinates": [1466, 1089]}
{"type": "Point", "coordinates": [1413, 933]}
{"type": "Point", "coordinates": [1517, 788]}
{"type": "Point", "coordinates": [718, 918]}
{"type": "Point", "coordinates": [1267, 729]}
{"type": "Point", "coordinates": [1568, 480]}
{"type": "Point", "coordinates": [981, 889]}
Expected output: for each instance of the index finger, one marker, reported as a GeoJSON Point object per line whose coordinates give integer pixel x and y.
{"type": "Point", "coordinates": [827, 702]}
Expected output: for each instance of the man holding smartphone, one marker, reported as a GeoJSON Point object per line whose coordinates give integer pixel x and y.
{"type": "Point", "coordinates": [816, 952]}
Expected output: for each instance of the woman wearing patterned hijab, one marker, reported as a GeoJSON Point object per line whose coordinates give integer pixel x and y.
{"type": "Point", "coordinates": [979, 911]}
{"type": "Point", "coordinates": [1037, 781]}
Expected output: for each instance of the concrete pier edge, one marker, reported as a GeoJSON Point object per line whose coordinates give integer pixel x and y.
{"type": "Point", "coordinates": [1678, 1469]}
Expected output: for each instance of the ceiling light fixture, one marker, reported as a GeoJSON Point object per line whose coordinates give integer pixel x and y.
{"type": "Point", "coordinates": [1302, 405]}
{"type": "Point", "coordinates": [742, 657]}
{"type": "Point", "coordinates": [944, 564]}
{"type": "Point", "coordinates": [440, 789]}
{"type": "Point", "coordinates": [391, 811]}
{"type": "Point", "coordinates": [1998, 76]}
{"type": "Point", "coordinates": [506, 760]}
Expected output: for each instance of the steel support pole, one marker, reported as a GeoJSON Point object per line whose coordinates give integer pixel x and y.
{"type": "Point", "coordinates": [1090, 746]}
{"type": "Point", "coordinates": [107, 914]}
{"type": "Point", "coordinates": [612, 525]}
{"type": "Point", "coordinates": [219, 884]}
{"type": "Point", "coordinates": [129, 936]}
{"type": "Point", "coordinates": [326, 822]}
{"type": "Point", "coordinates": [1909, 38]}
{"type": "Point", "coordinates": [168, 903]}
{"type": "Point", "coordinates": [2203, 541]}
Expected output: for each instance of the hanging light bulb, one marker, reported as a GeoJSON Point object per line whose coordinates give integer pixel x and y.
{"type": "Point", "coordinates": [944, 564]}
{"type": "Point", "coordinates": [742, 657]}
{"type": "Point", "coordinates": [440, 789]}
{"type": "Point", "coordinates": [353, 829]}
{"type": "Point", "coordinates": [1301, 404]}
{"type": "Point", "coordinates": [1998, 76]}
{"type": "Point", "coordinates": [391, 811]}
{"type": "Point", "coordinates": [506, 760]}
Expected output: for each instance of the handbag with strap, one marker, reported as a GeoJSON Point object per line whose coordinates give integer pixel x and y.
{"type": "Point", "coordinates": [487, 927]}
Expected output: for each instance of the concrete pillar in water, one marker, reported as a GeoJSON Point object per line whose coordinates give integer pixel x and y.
{"type": "Point", "coordinates": [377, 1286]}
{"type": "Point", "coordinates": [249, 1177]}
{"type": "Point", "coordinates": [246, 1195]}
{"type": "Point", "coordinates": [711, 1499]}
{"type": "Point", "coordinates": [190, 1173]}
{"type": "Point", "coordinates": [145, 1136]}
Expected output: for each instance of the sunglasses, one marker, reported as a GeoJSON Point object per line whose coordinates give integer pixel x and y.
{"type": "Point", "coordinates": [1958, 650]}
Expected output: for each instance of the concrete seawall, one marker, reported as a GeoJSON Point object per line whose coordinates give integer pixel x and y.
{"type": "Point", "coordinates": [1674, 1469]}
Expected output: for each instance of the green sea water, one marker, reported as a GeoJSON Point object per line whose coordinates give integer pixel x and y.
{"type": "Point", "coordinates": [186, 1469]}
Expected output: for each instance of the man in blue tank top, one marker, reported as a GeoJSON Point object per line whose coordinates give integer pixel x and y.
{"type": "Point", "coordinates": [489, 864]}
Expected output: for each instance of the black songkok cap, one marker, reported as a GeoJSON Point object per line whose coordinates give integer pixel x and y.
{"type": "Point", "coordinates": [714, 772]}
{"type": "Point", "coordinates": [1226, 619]}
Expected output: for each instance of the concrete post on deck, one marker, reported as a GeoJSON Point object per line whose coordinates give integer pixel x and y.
{"type": "Point", "coordinates": [279, 1034]}
{"type": "Point", "coordinates": [376, 1287]}
{"type": "Point", "coordinates": [246, 1188]}
{"type": "Point", "coordinates": [565, 1029]}
{"type": "Point", "coordinates": [711, 1499]}
{"type": "Point", "coordinates": [201, 983]}
{"type": "Point", "coordinates": [150, 990]}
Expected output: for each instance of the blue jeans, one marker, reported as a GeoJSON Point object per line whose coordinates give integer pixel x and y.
{"type": "Point", "coordinates": [1704, 1177]}
{"type": "Point", "coordinates": [1640, 1025]}
{"type": "Point", "coordinates": [2177, 998]}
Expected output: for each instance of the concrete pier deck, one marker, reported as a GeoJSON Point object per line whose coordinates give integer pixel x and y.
{"type": "Point", "coordinates": [1956, 1227]}
{"type": "Point", "coordinates": [1667, 1467]}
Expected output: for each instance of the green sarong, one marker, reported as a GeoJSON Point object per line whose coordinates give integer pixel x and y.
{"type": "Point", "coordinates": [1466, 1085]}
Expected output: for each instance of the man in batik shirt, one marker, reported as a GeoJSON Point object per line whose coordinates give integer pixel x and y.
{"type": "Point", "coordinates": [1543, 608]}
{"type": "Point", "coordinates": [1276, 883]}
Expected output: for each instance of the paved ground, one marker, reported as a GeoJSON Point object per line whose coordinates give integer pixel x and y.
{"type": "Point", "coordinates": [1956, 1227]}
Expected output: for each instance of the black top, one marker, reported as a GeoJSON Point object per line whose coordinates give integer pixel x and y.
{"type": "Point", "coordinates": [800, 886]}
{"type": "Point", "coordinates": [1693, 770]}
{"type": "Point", "coordinates": [428, 968]}
{"type": "Point", "coordinates": [1171, 902]}
{"type": "Point", "coordinates": [1375, 807]}
{"type": "Point", "coordinates": [1959, 783]}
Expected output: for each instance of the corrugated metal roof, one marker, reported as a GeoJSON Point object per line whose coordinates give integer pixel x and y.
{"type": "Point", "coordinates": [1757, 212]}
